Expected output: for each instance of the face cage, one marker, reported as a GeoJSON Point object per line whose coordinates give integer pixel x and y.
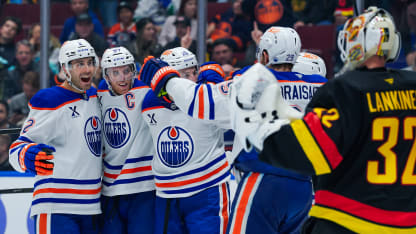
{"type": "Point", "coordinates": [107, 77]}
{"type": "Point", "coordinates": [68, 66]}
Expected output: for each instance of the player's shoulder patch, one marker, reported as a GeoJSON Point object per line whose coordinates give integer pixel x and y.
{"type": "Point", "coordinates": [224, 87]}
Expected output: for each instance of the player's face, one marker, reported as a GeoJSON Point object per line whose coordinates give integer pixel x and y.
{"type": "Point", "coordinates": [189, 73]}
{"type": "Point", "coordinates": [82, 70]}
{"type": "Point", "coordinates": [120, 78]}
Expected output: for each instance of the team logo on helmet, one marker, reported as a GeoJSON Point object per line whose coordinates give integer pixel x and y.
{"type": "Point", "coordinates": [356, 53]}
{"type": "Point", "coordinates": [174, 146]}
{"type": "Point", "coordinates": [92, 133]}
{"type": "Point", "coordinates": [117, 129]}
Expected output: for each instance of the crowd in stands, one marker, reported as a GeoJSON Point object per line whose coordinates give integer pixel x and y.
{"type": "Point", "coordinates": [148, 27]}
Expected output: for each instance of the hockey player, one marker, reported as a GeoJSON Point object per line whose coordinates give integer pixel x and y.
{"type": "Point", "coordinates": [309, 64]}
{"type": "Point", "coordinates": [60, 143]}
{"type": "Point", "coordinates": [190, 165]}
{"type": "Point", "coordinates": [357, 135]}
{"type": "Point", "coordinates": [255, 196]}
{"type": "Point", "coordinates": [128, 195]}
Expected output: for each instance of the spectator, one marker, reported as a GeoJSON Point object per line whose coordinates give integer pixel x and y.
{"type": "Point", "coordinates": [157, 10]}
{"type": "Point", "coordinates": [223, 52]}
{"type": "Point", "coordinates": [188, 9]}
{"type": "Point", "coordinates": [79, 7]}
{"type": "Point", "coordinates": [123, 32]}
{"type": "Point", "coordinates": [54, 45]}
{"type": "Point", "coordinates": [84, 28]}
{"type": "Point", "coordinates": [24, 63]}
{"type": "Point", "coordinates": [316, 12]}
{"type": "Point", "coordinates": [106, 10]}
{"type": "Point", "coordinates": [19, 103]}
{"type": "Point", "coordinates": [4, 119]}
{"type": "Point", "coordinates": [146, 41]}
{"type": "Point", "coordinates": [4, 153]}
{"type": "Point", "coordinates": [232, 24]}
{"type": "Point", "coordinates": [9, 28]}
{"type": "Point", "coordinates": [269, 12]}
{"type": "Point", "coordinates": [183, 35]}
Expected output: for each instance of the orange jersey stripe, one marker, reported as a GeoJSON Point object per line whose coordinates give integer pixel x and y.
{"type": "Point", "coordinates": [190, 181]}
{"type": "Point", "coordinates": [201, 102]}
{"type": "Point", "coordinates": [224, 211]}
{"type": "Point", "coordinates": [43, 224]}
{"type": "Point", "coordinates": [152, 108]}
{"type": "Point", "coordinates": [72, 191]}
{"type": "Point", "coordinates": [16, 144]}
{"type": "Point", "coordinates": [242, 205]}
{"type": "Point", "coordinates": [128, 171]}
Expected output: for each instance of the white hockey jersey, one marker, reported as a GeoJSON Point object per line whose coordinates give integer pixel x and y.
{"type": "Point", "coordinates": [190, 154]}
{"type": "Point", "coordinates": [128, 146]}
{"type": "Point", "coordinates": [71, 123]}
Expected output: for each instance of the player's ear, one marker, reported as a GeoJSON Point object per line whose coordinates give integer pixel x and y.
{"type": "Point", "coordinates": [66, 72]}
{"type": "Point", "coordinates": [264, 57]}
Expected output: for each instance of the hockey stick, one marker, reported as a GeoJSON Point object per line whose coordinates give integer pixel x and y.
{"type": "Point", "coordinates": [10, 130]}
{"type": "Point", "coordinates": [16, 190]}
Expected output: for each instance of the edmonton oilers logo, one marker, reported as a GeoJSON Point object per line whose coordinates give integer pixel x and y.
{"type": "Point", "coordinates": [174, 146]}
{"type": "Point", "coordinates": [117, 129]}
{"type": "Point", "coordinates": [92, 133]}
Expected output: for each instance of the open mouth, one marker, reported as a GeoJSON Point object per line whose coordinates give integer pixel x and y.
{"type": "Point", "coordinates": [86, 80]}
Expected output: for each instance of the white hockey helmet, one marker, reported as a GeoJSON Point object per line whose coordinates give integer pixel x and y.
{"type": "Point", "coordinates": [179, 58]}
{"type": "Point", "coordinates": [76, 49]}
{"type": "Point", "coordinates": [310, 64]}
{"type": "Point", "coordinates": [282, 44]}
{"type": "Point", "coordinates": [117, 57]}
{"type": "Point", "coordinates": [371, 33]}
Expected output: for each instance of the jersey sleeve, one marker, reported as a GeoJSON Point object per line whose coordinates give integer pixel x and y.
{"type": "Point", "coordinates": [315, 145]}
{"type": "Point", "coordinates": [39, 127]}
{"type": "Point", "coordinates": [202, 101]}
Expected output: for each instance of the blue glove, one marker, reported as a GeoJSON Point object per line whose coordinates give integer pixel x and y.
{"type": "Point", "coordinates": [211, 72]}
{"type": "Point", "coordinates": [156, 73]}
{"type": "Point", "coordinates": [34, 158]}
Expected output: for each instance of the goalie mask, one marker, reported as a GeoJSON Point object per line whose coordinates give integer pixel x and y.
{"type": "Point", "coordinates": [76, 49]}
{"type": "Point", "coordinates": [281, 44]}
{"type": "Point", "coordinates": [310, 64]}
{"type": "Point", "coordinates": [371, 33]}
{"type": "Point", "coordinates": [118, 57]}
{"type": "Point", "coordinates": [179, 58]}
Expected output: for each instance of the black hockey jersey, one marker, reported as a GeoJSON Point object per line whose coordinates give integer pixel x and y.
{"type": "Point", "coordinates": [358, 135]}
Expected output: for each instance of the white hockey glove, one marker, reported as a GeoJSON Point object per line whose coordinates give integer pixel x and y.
{"type": "Point", "coordinates": [256, 105]}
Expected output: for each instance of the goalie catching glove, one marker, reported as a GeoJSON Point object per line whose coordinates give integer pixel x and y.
{"type": "Point", "coordinates": [257, 107]}
{"type": "Point", "coordinates": [156, 73]}
{"type": "Point", "coordinates": [35, 158]}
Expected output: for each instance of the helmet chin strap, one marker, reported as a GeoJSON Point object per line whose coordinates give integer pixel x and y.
{"type": "Point", "coordinates": [68, 79]}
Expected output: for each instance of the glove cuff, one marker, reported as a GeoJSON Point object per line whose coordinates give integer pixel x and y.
{"type": "Point", "coordinates": [22, 155]}
{"type": "Point", "coordinates": [163, 73]}
{"type": "Point", "coordinates": [214, 67]}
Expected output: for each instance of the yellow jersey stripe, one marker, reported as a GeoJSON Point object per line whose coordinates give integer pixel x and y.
{"type": "Point", "coordinates": [353, 223]}
{"type": "Point", "coordinates": [310, 147]}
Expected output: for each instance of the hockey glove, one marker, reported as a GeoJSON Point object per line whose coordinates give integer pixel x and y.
{"type": "Point", "coordinates": [156, 73]}
{"type": "Point", "coordinates": [35, 158]}
{"type": "Point", "coordinates": [211, 72]}
{"type": "Point", "coordinates": [256, 105]}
